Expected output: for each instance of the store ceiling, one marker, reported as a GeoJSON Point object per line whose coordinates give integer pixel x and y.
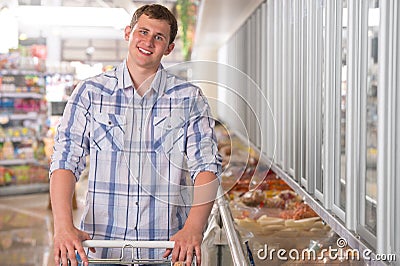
{"type": "Point", "coordinates": [217, 20]}
{"type": "Point", "coordinates": [74, 22]}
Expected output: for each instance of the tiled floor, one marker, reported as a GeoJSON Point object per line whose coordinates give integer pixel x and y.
{"type": "Point", "coordinates": [26, 228]}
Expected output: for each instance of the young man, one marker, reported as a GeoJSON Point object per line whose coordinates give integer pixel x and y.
{"type": "Point", "coordinates": [150, 139]}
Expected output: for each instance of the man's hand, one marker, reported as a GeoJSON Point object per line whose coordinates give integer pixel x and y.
{"type": "Point", "coordinates": [66, 242]}
{"type": "Point", "coordinates": [67, 238]}
{"type": "Point", "coordinates": [187, 242]}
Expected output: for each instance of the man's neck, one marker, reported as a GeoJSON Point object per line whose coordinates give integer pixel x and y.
{"type": "Point", "coordinates": [141, 78]}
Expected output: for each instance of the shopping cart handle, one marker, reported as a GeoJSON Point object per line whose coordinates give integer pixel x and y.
{"type": "Point", "coordinates": [127, 243]}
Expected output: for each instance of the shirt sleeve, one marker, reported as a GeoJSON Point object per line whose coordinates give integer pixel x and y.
{"type": "Point", "coordinates": [71, 143]}
{"type": "Point", "coordinates": [201, 145]}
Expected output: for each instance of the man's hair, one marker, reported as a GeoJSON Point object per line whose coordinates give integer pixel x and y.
{"type": "Point", "coordinates": [156, 11]}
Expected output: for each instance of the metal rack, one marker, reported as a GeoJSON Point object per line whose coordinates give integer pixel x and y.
{"type": "Point", "coordinates": [235, 245]}
{"type": "Point", "coordinates": [129, 245]}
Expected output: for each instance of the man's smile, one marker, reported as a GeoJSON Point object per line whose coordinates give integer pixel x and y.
{"type": "Point", "coordinates": [145, 51]}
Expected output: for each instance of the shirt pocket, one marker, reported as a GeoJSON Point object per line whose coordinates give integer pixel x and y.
{"type": "Point", "coordinates": [168, 133]}
{"type": "Point", "coordinates": [108, 132]}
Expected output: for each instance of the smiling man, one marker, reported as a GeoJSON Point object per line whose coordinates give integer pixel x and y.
{"type": "Point", "coordinates": [150, 38]}
{"type": "Point", "coordinates": [153, 155]}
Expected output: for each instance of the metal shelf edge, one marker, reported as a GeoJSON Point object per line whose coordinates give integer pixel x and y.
{"type": "Point", "coordinates": [13, 190]}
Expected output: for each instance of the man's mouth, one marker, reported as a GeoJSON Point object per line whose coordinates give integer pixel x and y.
{"type": "Point", "coordinates": [145, 51]}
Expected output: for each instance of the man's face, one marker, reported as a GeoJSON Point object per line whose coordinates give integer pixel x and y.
{"type": "Point", "coordinates": [148, 42]}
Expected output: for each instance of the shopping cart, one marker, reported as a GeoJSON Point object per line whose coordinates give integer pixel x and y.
{"type": "Point", "coordinates": [125, 245]}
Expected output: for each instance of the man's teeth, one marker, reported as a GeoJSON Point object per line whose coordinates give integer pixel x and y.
{"type": "Point", "coordinates": [144, 51]}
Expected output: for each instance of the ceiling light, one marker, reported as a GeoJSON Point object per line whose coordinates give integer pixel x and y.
{"type": "Point", "coordinates": [73, 16]}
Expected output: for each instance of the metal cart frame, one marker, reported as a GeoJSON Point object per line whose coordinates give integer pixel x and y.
{"type": "Point", "coordinates": [124, 245]}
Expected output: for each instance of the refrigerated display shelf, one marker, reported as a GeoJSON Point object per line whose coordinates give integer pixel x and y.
{"type": "Point", "coordinates": [235, 245]}
{"type": "Point", "coordinates": [353, 240]}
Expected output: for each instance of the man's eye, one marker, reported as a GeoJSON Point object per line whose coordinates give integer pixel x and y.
{"type": "Point", "coordinates": [143, 32]}
{"type": "Point", "coordinates": [158, 37]}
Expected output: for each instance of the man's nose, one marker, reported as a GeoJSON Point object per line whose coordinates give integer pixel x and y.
{"type": "Point", "coordinates": [149, 40]}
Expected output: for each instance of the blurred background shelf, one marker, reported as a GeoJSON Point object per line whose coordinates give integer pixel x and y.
{"type": "Point", "coordinates": [24, 189]}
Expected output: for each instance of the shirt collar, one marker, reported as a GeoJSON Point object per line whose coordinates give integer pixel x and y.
{"type": "Point", "coordinates": [159, 81]}
{"type": "Point", "coordinates": [125, 81]}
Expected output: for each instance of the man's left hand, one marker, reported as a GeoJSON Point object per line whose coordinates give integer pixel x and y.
{"type": "Point", "coordinates": [187, 243]}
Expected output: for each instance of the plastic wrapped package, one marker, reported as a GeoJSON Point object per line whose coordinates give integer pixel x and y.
{"type": "Point", "coordinates": [215, 249]}
{"type": "Point", "coordinates": [209, 256]}
{"type": "Point", "coordinates": [277, 218]}
{"type": "Point", "coordinates": [230, 178]}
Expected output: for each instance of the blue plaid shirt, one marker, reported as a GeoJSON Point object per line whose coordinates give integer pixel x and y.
{"type": "Point", "coordinates": [145, 153]}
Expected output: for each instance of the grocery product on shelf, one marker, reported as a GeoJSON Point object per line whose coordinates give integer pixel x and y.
{"type": "Point", "coordinates": [23, 106]}
{"type": "Point", "coordinates": [263, 205]}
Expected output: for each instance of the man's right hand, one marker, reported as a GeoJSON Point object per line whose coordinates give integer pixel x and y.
{"type": "Point", "coordinates": [67, 238]}
{"type": "Point", "coordinates": [66, 242]}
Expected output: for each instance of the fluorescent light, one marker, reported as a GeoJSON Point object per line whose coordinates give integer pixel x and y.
{"type": "Point", "coordinates": [73, 16]}
{"type": "Point", "coordinates": [8, 30]}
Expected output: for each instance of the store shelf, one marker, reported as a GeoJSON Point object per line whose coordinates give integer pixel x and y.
{"type": "Point", "coordinates": [16, 139]}
{"type": "Point", "coordinates": [15, 72]}
{"type": "Point", "coordinates": [18, 162]}
{"type": "Point", "coordinates": [27, 116]}
{"type": "Point", "coordinates": [24, 189]}
{"type": "Point", "coordinates": [22, 126]}
{"type": "Point", "coordinates": [28, 95]}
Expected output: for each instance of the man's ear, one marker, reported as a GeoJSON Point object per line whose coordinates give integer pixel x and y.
{"type": "Point", "coordinates": [169, 49]}
{"type": "Point", "coordinates": [127, 32]}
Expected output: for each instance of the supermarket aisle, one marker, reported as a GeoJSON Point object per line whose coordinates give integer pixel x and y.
{"type": "Point", "coordinates": [26, 228]}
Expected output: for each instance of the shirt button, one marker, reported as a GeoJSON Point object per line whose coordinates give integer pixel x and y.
{"type": "Point", "coordinates": [137, 203]}
{"type": "Point", "coordinates": [135, 228]}
{"type": "Point", "coordinates": [110, 123]}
